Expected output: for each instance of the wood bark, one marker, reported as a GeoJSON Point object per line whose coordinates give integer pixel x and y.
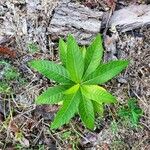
{"type": "Point", "coordinates": [76, 19]}
{"type": "Point", "coordinates": [131, 17]}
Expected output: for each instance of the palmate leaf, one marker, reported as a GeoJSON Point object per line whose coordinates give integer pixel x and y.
{"type": "Point", "coordinates": [98, 94]}
{"type": "Point", "coordinates": [62, 51]}
{"type": "Point", "coordinates": [52, 95]}
{"type": "Point", "coordinates": [69, 108]}
{"type": "Point", "coordinates": [106, 72]}
{"type": "Point", "coordinates": [78, 75]}
{"type": "Point", "coordinates": [93, 55]}
{"type": "Point", "coordinates": [86, 112]}
{"type": "Point", "coordinates": [51, 70]}
{"type": "Point", "coordinates": [75, 62]}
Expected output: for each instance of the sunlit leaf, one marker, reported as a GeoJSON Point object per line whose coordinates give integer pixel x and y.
{"type": "Point", "coordinates": [67, 111]}
{"type": "Point", "coordinates": [62, 51]}
{"type": "Point", "coordinates": [72, 89]}
{"type": "Point", "coordinates": [93, 55]}
{"type": "Point", "coordinates": [86, 112]}
{"type": "Point", "coordinates": [52, 95]}
{"type": "Point", "coordinates": [75, 61]}
{"type": "Point", "coordinates": [106, 72]}
{"type": "Point", "coordinates": [51, 70]}
{"type": "Point", "coordinates": [98, 94]}
{"type": "Point", "coordinates": [98, 108]}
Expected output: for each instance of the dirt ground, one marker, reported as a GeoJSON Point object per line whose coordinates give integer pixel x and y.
{"type": "Point", "coordinates": [23, 125]}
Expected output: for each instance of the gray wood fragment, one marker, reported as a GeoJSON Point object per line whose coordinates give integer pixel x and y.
{"type": "Point", "coordinates": [76, 19]}
{"type": "Point", "coordinates": [131, 17]}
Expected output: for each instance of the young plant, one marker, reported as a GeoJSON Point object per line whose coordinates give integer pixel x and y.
{"type": "Point", "coordinates": [7, 71]}
{"type": "Point", "coordinates": [131, 112]}
{"type": "Point", "coordinates": [7, 74]}
{"type": "Point", "coordinates": [77, 77]}
{"type": "Point", "coordinates": [33, 47]}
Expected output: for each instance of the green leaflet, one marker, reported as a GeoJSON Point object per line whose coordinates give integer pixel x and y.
{"type": "Point", "coordinates": [98, 94]}
{"type": "Point", "coordinates": [98, 108]}
{"type": "Point", "coordinates": [75, 62]}
{"type": "Point", "coordinates": [72, 90]}
{"type": "Point", "coordinates": [52, 95]}
{"type": "Point", "coordinates": [86, 112]}
{"type": "Point", "coordinates": [83, 50]}
{"type": "Point", "coordinates": [106, 72]}
{"type": "Point", "coordinates": [93, 55]}
{"type": "Point", "coordinates": [51, 70]}
{"type": "Point", "coordinates": [69, 108]}
{"type": "Point", "coordinates": [62, 51]}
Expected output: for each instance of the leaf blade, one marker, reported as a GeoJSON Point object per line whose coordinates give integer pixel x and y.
{"type": "Point", "coordinates": [83, 51]}
{"type": "Point", "coordinates": [69, 108]}
{"type": "Point", "coordinates": [106, 72]}
{"type": "Point", "coordinates": [72, 89]}
{"type": "Point", "coordinates": [51, 70]}
{"type": "Point", "coordinates": [93, 55]}
{"type": "Point", "coordinates": [62, 51]}
{"type": "Point", "coordinates": [98, 108]}
{"type": "Point", "coordinates": [86, 112]}
{"type": "Point", "coordinates": [75, 62]}
{"type": "Point", "coordinates": [98, 94]}
{"type": "Point", "coordinates": [52, 95]}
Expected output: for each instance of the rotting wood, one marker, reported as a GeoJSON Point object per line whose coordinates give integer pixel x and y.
{"type": "Point", "coordinates": [131, 17]}
{"type": "Point", "coordinates": [76, 19]}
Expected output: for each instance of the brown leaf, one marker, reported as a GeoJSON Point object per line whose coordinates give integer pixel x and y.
{"type": "Point", "coordinates": [111, 4]}
{"type": "Point", "coordinates": [13, 127]}
{"type": "Point", "coordinates": [105, 146]}
{"type": "Point", "coordinates": [90, 3]}
{"type": "Point", "coordinates": [7, 51]}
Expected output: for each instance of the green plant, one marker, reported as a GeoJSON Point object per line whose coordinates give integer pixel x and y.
{"type": "Point", "coordinates": [8, 72]}
{"type": "Point", "coordinates": [33, 47]}
{"type": "Point", "coordinates": [9, 75]}
{"type": "Point", "coordinates": [4, 87]}
{"type": "Point", "coordinates": [71, 137]}
{"type": "Point", "coordinates": [131, 112]}
{"type": "Point", "coordinates": [78, 75]}
{"type": "Point", "coordinates": [118, 144]}
{"type": "Point", "coordinates": [114, 127]}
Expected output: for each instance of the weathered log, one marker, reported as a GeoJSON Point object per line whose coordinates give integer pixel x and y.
{"type": "Point", "coordinates": [76, 19]}
{"type": "Point", "coordinates": [131, 17]}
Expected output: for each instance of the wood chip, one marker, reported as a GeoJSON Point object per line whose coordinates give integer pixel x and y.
{"type": "Point", "coordinates": [131, 17]}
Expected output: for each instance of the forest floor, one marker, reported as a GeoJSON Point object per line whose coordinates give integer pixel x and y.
{"type": "Point", "coordinates": [24, 125]}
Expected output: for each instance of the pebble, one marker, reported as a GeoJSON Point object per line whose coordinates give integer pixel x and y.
{"type": "Point", "coordinates": [122, 80]}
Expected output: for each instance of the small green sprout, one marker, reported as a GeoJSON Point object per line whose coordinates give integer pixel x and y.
{"type": "Point", "coordinates": [33, 47]}
{"type": "Point", "coordinates": [8, 74]}
{"type": "Point", "coordinates": [131, 112]}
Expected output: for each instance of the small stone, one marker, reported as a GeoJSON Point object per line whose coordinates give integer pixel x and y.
{"type": "Point", "coordinates": [122, 80]}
